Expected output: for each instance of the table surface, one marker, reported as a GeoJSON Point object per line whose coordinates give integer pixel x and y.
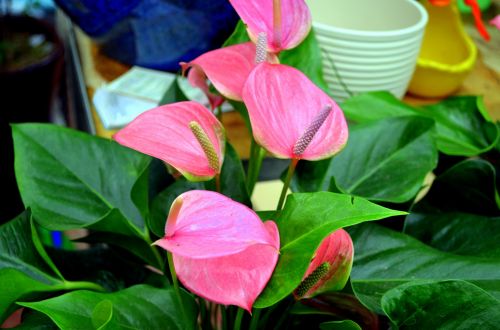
{"type": "Point", "coordinates": [484, 80]}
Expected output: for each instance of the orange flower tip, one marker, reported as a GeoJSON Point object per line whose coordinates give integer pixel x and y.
{"type": "Point", "coordinates": [311, 280]}
{"type": "Point", "coordinates": [308, 135]}
{"type": "Point", "coordinates": [206, 145]}
{"type": "Point", "coordinates": [261, 48]}
{"type": "Point", "coordinates": [277, 23]}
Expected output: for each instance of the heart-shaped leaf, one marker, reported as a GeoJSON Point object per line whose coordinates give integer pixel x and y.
{"type": "Point", "coordinates": [138, 307]}
{"type": "Point", "coordinates": [460, 214]}
{"type": "Point", "coordinates": [304, 222]}
{"type": "Point", "coordinates": [384, 259]}
{"type": "Point", "coordinates": [441, 305]}
{"type": "Point", "coordinates": [374, 164]}
{"type": "Point", "coordinates": [71, 180]}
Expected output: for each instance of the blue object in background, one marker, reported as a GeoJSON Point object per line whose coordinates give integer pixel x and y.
{"type": "Point", "coordinates": [154, 33]}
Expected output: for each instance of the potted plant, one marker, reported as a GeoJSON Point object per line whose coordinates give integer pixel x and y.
{"type": "Point", "coordinates": [186, 251]}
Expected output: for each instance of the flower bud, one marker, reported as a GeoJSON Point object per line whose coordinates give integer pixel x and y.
{"type": "Point", "coordinates": [337, 251]}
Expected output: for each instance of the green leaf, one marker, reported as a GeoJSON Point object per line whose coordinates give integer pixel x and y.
{"type": "Point", "coordinates": [461, 127]}
{"type": "Point", "coordinates": [384, 259]}
{"type": "Point", "coordinates": [33, 320]}
{"type": "Point", "coordinates": [460, 208]}
{"type": "Point", "coordinates": [138, 307]}
{"type": "Point", "coordinates": [102, 314]}
{"type": "Point", "coordinates": [441, 305]}
{"type": "Point", "coordinates": [340, 325]}
{"type": "Point", "coordinates": [136, 246]}
{"type": "Point", "coordinates": [238, 36]}
{"type": "Point", "coordinates": [307, 58]}
{"type": "Point", "coordinates": [469, 186]}
{"type": "Point", "coordinates": [367, 107]}
{"type": "Point", "coordinates": [41, 250]}
{"type": "Point", "coordinates": [72, 180]}
{"type": "Point", "coordinates": [459, 233]}
{"type": "Point", "coordinates": [304, 222]}
{"type": "Point", "coordinates": [375, 164]}
{"type": "Point", "coordinates": [233, 177]}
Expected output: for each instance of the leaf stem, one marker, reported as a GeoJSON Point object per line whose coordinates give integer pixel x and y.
{"type": "Point", "coordinates": [223, 316]}
{"type": "Point", "coordinates": [239, 317]}
{"type": "Point", "coordinates": [286, 184]}
{"type": "Point", "coordinates": [82, 285]}
{"type": "Point", "coordinates": [175, 283]}
{"type": "Point", "coordinates": [217, 183]}
{"type": "Point", "coordinates": [257, 155]}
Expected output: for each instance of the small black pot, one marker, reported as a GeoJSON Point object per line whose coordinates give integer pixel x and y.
{"type": "Point", "coordinates": [26, 95]}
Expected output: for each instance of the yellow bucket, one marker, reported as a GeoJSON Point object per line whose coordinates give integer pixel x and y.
{"type": "Point", "coordinates": [447, 55]}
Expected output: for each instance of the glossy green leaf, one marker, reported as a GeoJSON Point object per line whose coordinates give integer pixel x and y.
{"type": "Point", "coordinates": [24, 273]}
{"type": "Point", "coordinates": [385, 160]}
{"type": "Point", "coordinates": [458, 233]}
{"type": "Point", "coordinates": [441, 305]}
{"type": "Point", "coordinates": [102, 314]}
{"type": "Point", "coordinates": [340, 325]}
{"type": "Point", "coordinates": [460, 212]}
{"type": "Point", "coordinates": [303, 223]}
{"type": "Point", "coordinates": [461, 126]}
{"type": "Point", "coordinates": [374, 106]}
{"type": "Point", "coordinates": [307, 58]}
{"type": "Point", "coordinates": [138, 307]}
{"type": "Point", "coordinates": [71, 180]}
{"type": "Point", "coordinates": [384, 259]}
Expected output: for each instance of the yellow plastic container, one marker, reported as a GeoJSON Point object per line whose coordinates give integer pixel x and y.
{"type": "Point", "coordinates": [447, 55]}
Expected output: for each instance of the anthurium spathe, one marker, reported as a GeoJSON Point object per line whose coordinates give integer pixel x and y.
{"type": "Point", "coordinates": [285, 22]}
{"type": "Point", "coordinates": [227, 69]}
{"type": "Point", "coordinates": [330, 268]}
{"type": "Point", "coordinates": [222, 251]}
{"type": "Point", "coordinates": [291, 117]}
{"type": "Point", "coordinates": [185, 135]}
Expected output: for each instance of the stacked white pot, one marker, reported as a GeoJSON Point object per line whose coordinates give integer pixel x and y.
{"type": "Point", "coordinates": [368, 45]}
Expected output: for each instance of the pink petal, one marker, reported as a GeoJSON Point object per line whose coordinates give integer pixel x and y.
{"type": "Point", "coordinates": [336, 249]}
{"type": "Point", "coordinates": [496, 22]}
{"type": "Point", "coordinates": [282, 103]}
{"type": "Point", "coordinates": [206, 224]}
{"type": "Point", "coordinates": [198, 79]}
{"type": "Point", "coordinates": [235, 279]}
{"type": "Point", "coordinates": [164, 133]}
{"type": "Point", "coordinates": [227, 68]}
{"type": "Point", "coordinates": [258, 16]}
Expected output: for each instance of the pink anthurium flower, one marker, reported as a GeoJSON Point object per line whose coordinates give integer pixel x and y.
{"type": "Point", "coordinates": [330, 268]}
{"type": "Point", "coordinates": [290, 116]}
{"type": "Point", "coordinates": [222, 251]}
{"type": "Point", "coordinates": [286, 22]}
{"type": "Point", "coordinates": [227, 68]}
{"type": "Point", "coordinates": [185, 135]}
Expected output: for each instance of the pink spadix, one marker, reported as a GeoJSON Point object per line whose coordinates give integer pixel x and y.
{"type": "Point", "coordinates": [222, 251]}
{"type": "Point", "coordinates": [185, 135]}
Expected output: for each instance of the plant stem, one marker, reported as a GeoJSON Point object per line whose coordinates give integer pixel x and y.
{"type": "Point", "coordinates": [81, 285]}
{"type": "Point", "coordinates": [239, 317]}
{"type": "Point", "coordinates": [217, 183]}
{"type": "Point", "coordinates": [255, 319]}
{"type": "Point", "coordinates": [286, 184]}
{"type": "Point", "coordinates": [175, 283]}
{"type": "Point", "coordinates": [257, 154]}
{"type": "Point", "coordinates": [223, 316]}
